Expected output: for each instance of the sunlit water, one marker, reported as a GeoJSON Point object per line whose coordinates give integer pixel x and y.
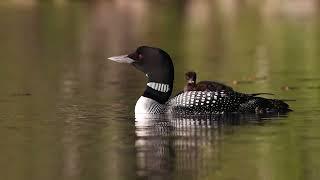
{"type": "Point", "coordinates": [67, 113]}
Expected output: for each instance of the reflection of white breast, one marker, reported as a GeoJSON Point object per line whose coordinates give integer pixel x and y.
{"type": "Point", "coordinates": [146, 105]}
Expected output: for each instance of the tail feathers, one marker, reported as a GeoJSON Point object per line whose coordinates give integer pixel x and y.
{"type": "Point", "coordinates": [279, 105]}
{"type": "Point", "coordinates": [264, 105]}
{"type": "Point", "coordinates": [287, 100]}
{"type": "Point", "coordinates": [258, 94]}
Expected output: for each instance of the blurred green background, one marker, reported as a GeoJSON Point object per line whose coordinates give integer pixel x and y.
{"type": "Point", "coordinates": [67, 113]}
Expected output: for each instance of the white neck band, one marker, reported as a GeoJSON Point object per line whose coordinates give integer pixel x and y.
{"type": "Point", "coordinates": [159, 86]}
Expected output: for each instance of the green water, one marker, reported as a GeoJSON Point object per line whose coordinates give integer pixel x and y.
{"type": "Point", "coordinates": [68, 113]}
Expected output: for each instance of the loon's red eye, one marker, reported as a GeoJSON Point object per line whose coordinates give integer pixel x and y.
{"type": "Point", "coordinates": [135, 56]}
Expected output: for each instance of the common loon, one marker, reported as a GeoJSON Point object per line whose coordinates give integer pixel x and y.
{"type": "Point", "coordinates": [158, 67]}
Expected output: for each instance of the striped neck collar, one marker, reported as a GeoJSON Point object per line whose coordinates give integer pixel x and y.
{"type": "Point", "coordinates": [159, 86]}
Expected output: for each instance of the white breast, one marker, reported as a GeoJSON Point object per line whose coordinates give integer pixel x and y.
{"type": "Point", "coordinates": [146, 105]}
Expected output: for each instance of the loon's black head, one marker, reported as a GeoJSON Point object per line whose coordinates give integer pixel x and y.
{"type": "Point", "coordinates": [191, 77]}
{"type": "Point", "coordinates": [158, 67]}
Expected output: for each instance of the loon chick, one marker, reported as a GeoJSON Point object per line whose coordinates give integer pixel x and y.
{"type": "Point", "coordinates": [191, 78]}
{"type": "Point", "coordinates": [158, 67]}
{"type": "Point", "coordinates": [192, 85]}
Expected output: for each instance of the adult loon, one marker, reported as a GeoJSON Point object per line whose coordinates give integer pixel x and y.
{"type": "Point", "coordinates": [158, 67]}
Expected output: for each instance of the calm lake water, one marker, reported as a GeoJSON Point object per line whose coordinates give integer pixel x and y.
{"type": "Point", "coordinates": [68, 113]}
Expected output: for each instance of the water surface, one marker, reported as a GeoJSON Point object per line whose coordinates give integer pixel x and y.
{"type": "Point", "coordinates": [68, 113]}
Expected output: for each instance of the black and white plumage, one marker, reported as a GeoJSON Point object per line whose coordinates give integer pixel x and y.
{"type": "Point", "coordinates": [219, 102]}
{"type": "Point", "coordinates": [205, 102]}
{"type": "Point", "coordinates": [158, 67]}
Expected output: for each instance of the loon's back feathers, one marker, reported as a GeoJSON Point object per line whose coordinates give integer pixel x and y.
{"type": "Point", "coordinates": [205, 102]}
{"type": "Point", "coordinates": [223, 102]}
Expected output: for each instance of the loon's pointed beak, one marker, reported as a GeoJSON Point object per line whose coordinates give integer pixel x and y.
{"type": "Point", "coordinates": [122, 59]}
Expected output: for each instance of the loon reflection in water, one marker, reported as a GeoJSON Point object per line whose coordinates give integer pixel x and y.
{"type": "Point", "coordinates": [182, 142]}
{"type": "Point", "coordinates": [158, 67]}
